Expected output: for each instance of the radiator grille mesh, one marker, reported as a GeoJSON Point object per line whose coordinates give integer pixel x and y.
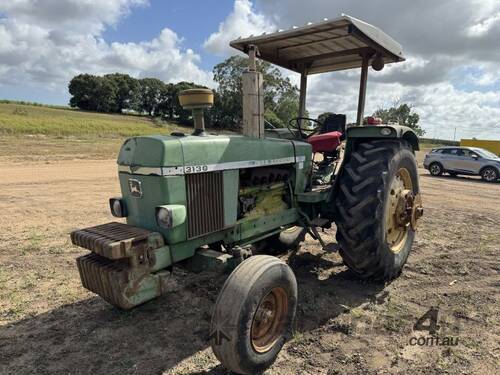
{"type": "Point", "coordinates": [205, 203]}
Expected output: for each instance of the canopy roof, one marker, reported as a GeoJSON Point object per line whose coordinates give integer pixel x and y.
{"type": "Point", "coordinates": [324, 46]}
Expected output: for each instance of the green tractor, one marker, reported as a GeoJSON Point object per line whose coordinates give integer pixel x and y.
{"type": "Point", "coordinates": [225, 202]}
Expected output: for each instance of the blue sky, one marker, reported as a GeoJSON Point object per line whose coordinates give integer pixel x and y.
{"type": "Point", "coordinates": [193, 20]}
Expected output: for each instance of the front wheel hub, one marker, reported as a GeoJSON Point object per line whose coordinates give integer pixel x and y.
{"type": "Point", "coordinates": [268, 322]}
{"type": "Point", "coordinates": [417, 211]}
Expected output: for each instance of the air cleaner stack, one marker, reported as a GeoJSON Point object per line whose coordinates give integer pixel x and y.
{"type": "Point", "coordinates": [197, 100]}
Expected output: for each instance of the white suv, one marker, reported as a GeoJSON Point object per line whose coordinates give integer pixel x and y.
{"type": "Point", "coordinates": [463, 160]}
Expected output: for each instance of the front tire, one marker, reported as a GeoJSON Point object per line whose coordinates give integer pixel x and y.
{"type": "Point", "coordinates": [373, 230]}
{"type": "Point", "coordinates": [489, 174]}
{"type": "Point", "coordinates": [254, 314]}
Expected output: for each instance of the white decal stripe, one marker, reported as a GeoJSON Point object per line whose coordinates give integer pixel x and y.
{"type": "Point", "coordinates": [140, 170]}
{"type": "Point", "coordinates": [189, 169]}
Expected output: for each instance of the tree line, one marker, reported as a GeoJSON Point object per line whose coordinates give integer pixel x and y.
{"type": "Point", "coordinates": [118, 93]}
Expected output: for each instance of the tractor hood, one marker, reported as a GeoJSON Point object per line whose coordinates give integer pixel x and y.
{"type": "Point", "coordinates": [177, 155]}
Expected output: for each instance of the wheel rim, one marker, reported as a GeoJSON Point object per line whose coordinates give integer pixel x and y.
{"type": "Point", "coordinates": [399, 210]}
{"type": "Point", "coordinates": [269, 320]}
{"type": "Point", "coordinates": [489, 175]}
{"type": "Point", "coordinates": [435, 169]}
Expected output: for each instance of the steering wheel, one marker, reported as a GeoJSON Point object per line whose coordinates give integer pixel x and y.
{"type": "Point", "coordinates": [304, 134]}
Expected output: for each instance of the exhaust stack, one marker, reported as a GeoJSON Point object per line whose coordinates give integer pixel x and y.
{"type": "Point", "coordinates": [253, 98]}
{"type": "Point", "coordinates": [197, 100]}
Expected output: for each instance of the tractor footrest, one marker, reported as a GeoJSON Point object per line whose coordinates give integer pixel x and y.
{"type": "Point", "coordinates": [116, 240]}
{"type": "Point", "coordinates": [318, 194]}
{"type": "Point", "coordinates": [321, 223]}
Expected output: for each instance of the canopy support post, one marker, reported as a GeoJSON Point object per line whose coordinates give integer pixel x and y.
{"type": "Point", "coordinates": [302, 96]}
{"type": "Point", "coordinates": [362, 89]}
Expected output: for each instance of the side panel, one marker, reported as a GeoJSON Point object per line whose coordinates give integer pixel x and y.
{"type": "Point", "coordinates": [156, 191]}
{"type": "Point", "coordinates": [231, 186]}
{"type": "Point", "coordinates": [226, 152]}
{"type": "Point", "coordinates": [303, 152]}
{"type": "Point", "coordinates": [151, 151]}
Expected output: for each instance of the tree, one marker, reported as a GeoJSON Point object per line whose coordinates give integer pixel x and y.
{"type": "Point", "coordinates": [116, 92]}
{"type": "Point", "coordinates": [106, 95]}
{"type": "Point", "coordinates": [287, 105]}
{"type": "Point", "coordinates": [81, 88]}
{"type": "Point", "coordinates": [273, 119]}
{"type": "Point", "coordinates": [126, 90]}
{"type": "Point", "coordinates": [165, 107]}
{"type": "Point", "coordinates": [280, 96]}
{"type": "Point", "coordinates": [402, 114]}
{"type": "Point", "coordinates": [227, 111]}
{"type": "Point", "coordinates": [322, 117]}
{"type": "Point", "coordinates": [149, 95]}
{"type": "Point", "coordinates": [93, 93]}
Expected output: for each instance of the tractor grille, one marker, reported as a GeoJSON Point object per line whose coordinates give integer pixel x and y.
{"type": "Point", "coordinates": [205, 203]}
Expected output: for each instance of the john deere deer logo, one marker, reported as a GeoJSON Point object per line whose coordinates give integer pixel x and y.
{"type": "Point", "coordinates": [135, 188]}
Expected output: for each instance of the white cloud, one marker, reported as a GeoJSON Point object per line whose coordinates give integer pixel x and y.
{"type": "Point", "coordinates": [47, 43]}
{"type": "Point", "coordinates": [441, 106]}
{"type": "Point", "coordinates": [77, 15]}
{"type": "Point", "coordinates": [481, 28]}
{"type": "Point", "coordinates": [451, 75]}
{"type": "Point", "coordinates": [243, 21]}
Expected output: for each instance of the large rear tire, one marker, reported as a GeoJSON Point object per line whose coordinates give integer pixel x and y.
{"type": "Point", "coordinates": [376, 186]}
{"type": "Point", "coordinates": [254, 314]}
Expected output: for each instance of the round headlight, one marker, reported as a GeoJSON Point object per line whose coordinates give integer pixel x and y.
{"type": "Point", "coordinates": [386, 131]}
{"type": "Point", "coordinates": [163, 217]}
{"type": "Point", "coordinates": [117, 207]}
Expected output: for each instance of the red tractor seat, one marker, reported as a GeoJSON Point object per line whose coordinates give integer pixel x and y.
{"type": "Point", "coordinates": [326, 142]}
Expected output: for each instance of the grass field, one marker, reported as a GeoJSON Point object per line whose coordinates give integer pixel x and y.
{"type": "Point", "coordinates": [50, 133]}
{"type": "Point", "coordinates": [16, 119]}
{"type": "Point", "coordinates": [20, 118]}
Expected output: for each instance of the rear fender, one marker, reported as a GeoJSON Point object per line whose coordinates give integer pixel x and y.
{"type": "Point", "coordinates": [356, 133]}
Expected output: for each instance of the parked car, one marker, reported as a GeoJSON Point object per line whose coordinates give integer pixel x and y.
{"type": "Point", "coordinates": [472, 161]}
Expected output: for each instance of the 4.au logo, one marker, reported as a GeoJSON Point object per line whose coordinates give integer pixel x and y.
{"type": "Point", "coordinates": [429, 322]}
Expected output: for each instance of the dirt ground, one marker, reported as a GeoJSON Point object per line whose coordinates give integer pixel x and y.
{"type": "Point", "coordinates": [49, 324]}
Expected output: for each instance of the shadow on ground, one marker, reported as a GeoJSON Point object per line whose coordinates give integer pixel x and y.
{"type": "Point", "coordinates": [92, 337]}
